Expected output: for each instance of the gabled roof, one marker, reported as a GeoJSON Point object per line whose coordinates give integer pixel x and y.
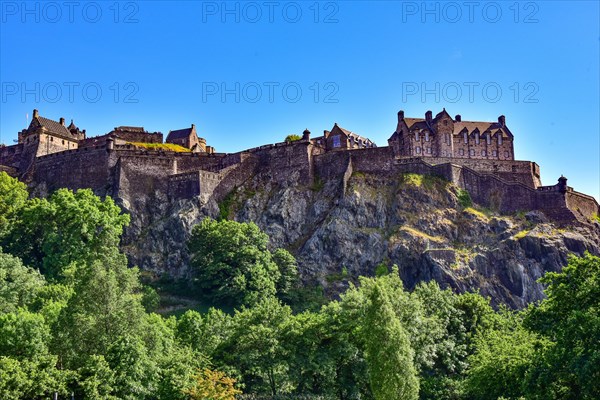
{"type": "Point", "coordinates": [180, 134]}
{"type": "Point", "coordinates": [352, 134]}
{"type": "Point", "coordinates": [483, 127]}
{"type": "Point", "coordinates": [53, 127]}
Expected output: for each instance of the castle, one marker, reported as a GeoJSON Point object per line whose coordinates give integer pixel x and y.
{"type": "Point", "coordinates": [130, 161]}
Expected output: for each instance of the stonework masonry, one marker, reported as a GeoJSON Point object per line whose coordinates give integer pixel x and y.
{"type": "Point", "coordinates": [475, 156]}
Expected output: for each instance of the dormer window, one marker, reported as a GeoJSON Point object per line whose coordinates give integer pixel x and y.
{"type": "Point", "coordinates": [500, 138]}
{"type": "Point", "coordinates": [476, 138]}
{"type": "Point", "coordinates": [488, 138]}
{"type": "Point", "coordinates": [466, 137]}
{"type": "Point", "coordinates": [417, 136]}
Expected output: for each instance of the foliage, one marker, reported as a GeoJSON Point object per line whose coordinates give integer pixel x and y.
{"type": "Point", "coordinates": [233, 265]}
{"type": "Point", "coordinates": [19, 284]}
{"type": "Point", "coordinates": [389, 355]}
{"type": "Point", "coordinates": [502, 360]}
{"type": "Point", "coordinates": [68, 228]}
{"type": "Point", "coordinates": [570, 318]}
{"type": "Point", "coordinates": [464, 198]}
{"type": "Point", "coordinates": [104, 308]}
{"type": "Point", "coordinates": [13, 195]}
{"type": "Point", "coordinates": [213, 385]}
{"type": "Point", "coordinates": [292, 138]}
{"type": "Point", "coordinates": [83, 324]}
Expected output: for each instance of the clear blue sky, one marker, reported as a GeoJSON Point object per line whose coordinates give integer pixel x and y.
{"type": "Point", "coordinates": [234, 69]}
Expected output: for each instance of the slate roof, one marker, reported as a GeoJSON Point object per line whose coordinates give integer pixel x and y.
{"type": "Point", "coordinates": [354, 135]}
{"type": "Point", "coordinates": [483, 127]}
{"type": "Point", "coordinates": [54, 127]}
{"type": "Point", "coordinates": [459, 126]}
{"type": "Point", "coordinates": [179, 134]}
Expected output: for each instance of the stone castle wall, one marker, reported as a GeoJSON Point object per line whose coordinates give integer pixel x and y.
{"type": "Point", "coordinates": [126, 172]}
{"type": "Point", "coordinates": [75, 169]}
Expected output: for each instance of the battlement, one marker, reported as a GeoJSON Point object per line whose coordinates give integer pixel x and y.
{"type": "Point", "coordinates": [109, 164]}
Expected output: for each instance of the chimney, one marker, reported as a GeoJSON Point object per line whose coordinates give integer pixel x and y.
{"type": "Point", "coordinates": [35, 113]}
{"type": "Point", "coordinates": [62, 121]}
{"type": "Point", "coordinates": [400, 115]}
{"type": "Point", "coordinates": [306, 134]}
{"type": "Point", "coordinates": [502, 120]}
{"type": "Point", "coordinates": [193, 126]}
{"type": "Point", "coordinates": [326, 133]}
{"type": "Point", "coordinates": [457, 118]}
{"type": "Point", "coordinates": [428, 116]}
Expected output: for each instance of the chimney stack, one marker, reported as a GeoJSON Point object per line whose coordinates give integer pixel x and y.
{"type": "Point", "coordinates": [428, 116]}
{"type": "Point", "coordinates": [193, 126]}
{"type": "Point", "coordinates": [62, 121]}
{"type": "Point", "coordinates": [35, 113]}
{"type": "Point", "coordinates": [457, 118]}
{"type": "Point", "coordinates": [502, 120]}
{"type": "Point", "coordinates": [400, 115]}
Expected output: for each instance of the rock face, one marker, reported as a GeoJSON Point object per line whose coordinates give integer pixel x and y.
{"type": "Point", "coordinates": [339, 230]}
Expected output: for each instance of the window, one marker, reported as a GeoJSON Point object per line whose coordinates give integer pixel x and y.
{"type": "Point", "coordinates": [506, 154]}
{"type": "Point", "coordinates": [477, 139]}
{"type": "Point", "coordinates": [514, 168]}
{"type": "Point", "coordinates": [488, 138]}
{"type": "Point", "coordinates": [428, 150]}
{"type": "Point", "coordinates": [336, 141]}
{"type": "Point", "coordinates": [51, 139]}
{"type": "Point", "coordinates": [494, 153]}
{"type": "Point", "coordinates": [466, 137]}
{"type": "Point", "coordinates": [461, 152]}
{"type": "Point", "coordinates": [418, 150]}
{"type": "Point", "coordinates": [499, 138]}
{"type": "Point", "coordinates": [417, 136]}
{"type": "Point", "coordinates": [63, 142]}
{"type": "Point", "coordinates": [427, 136]}
{"type": "Point", "coordinates": [483, 153]}
{"type": "Point", "coordinates": [471, 152]}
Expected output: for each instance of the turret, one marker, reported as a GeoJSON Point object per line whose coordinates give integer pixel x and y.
{"type": "Point", "coordinates": [562, 184]}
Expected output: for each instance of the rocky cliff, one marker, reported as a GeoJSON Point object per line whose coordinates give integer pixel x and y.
{"type": "Point", "coordinates": [340, 229]}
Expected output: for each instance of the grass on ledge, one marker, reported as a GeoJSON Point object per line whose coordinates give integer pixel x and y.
{"type": "Point", "coordinates": [161, 146]}
{"type": "Point", "coordinates": [521, 234]}
{"type": "Point", "coordinates": [417, 233]}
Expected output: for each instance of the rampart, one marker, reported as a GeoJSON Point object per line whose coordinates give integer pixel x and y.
{"type": "Point", "coordinates": [128, 172]}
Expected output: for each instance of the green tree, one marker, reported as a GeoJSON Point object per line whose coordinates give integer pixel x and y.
{"type": "Point", "coordinates": [292, 138]}
{"type": "Point", "coordinates": [23, 335]}
{"type": "Point", "coordinates": [570, 318]}
{"type": "Point", "coordinates": [288, 269]}
{"type": "Point", "coordinates": [232, 263]}
{"type": "Point", "coordinates": [69, 227]}
{"type": "Point", "coordinates": [106, 305]}
{"type": "Point", "coordinates": [392, 372]}
{"type": "Point", "coordinates": [13, 195]}
{"type": "Point", "coordinates": [502, 360]}
{"type": "Point", "coordinates": [254, 350]}
{"type": "Point", "coordinates": [95, 379]}
{"type": "Point", "coordinates": [19, 285]}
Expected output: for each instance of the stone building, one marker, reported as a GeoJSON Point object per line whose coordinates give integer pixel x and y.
{"type": "Point", "coordinates": [444, 136]}
{"type": "Point", "coordinates": [475, 156]}
{"type": "Point", "coordinates": [47, 136]}
{"type": "Point", "coordinates": [341, 139]}
{"type": "Point", "coordinates": [189, 139]}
